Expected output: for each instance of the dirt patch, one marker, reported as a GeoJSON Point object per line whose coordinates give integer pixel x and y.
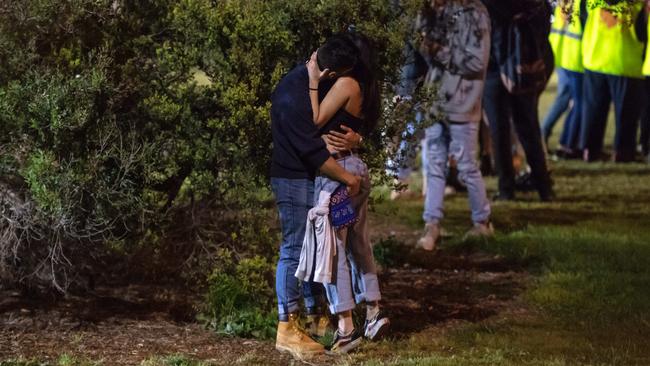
{"type": "Point", "coordinates": [119, 326]}
{"type": "Point", "coordinates": [429, 289]}
{"type": "Point", "coordinates": [422, 298]}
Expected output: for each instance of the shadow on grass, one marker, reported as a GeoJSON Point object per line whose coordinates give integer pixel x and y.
{"type": "Point", "coordinates": [423, 289]}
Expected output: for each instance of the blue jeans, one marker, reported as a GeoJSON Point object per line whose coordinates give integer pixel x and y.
{"type": "Point", "coordinates": [355, 274]}
{"type": "Point", "coordinates": [560, 105]}
{"type": "Point", "coordinates": [459, 140]}
{"type": "Point", "coordinates": [628, 97]}
{"type": "Point", "coordinates": [294, 197]}
{"type": "Point", "coordinates": [570, 137]}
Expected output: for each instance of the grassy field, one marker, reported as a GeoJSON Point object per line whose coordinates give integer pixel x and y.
{"type": "Point", "coordinates": [589, 252]}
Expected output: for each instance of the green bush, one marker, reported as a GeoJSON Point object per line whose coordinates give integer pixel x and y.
{"type": "Point", "coordinates": [240, 299]}
{"type": "Point", "coordinates": [134, 135]}
{"type": "Point", "coordinates": [106, 135]}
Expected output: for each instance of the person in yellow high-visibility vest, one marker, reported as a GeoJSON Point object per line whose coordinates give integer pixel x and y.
{"type": "Point", "coordinates": [644, 139]}
{"type": "Point", "coordinates": [613, 58]}
{"type": "Point", "coordinates": [566, 41]}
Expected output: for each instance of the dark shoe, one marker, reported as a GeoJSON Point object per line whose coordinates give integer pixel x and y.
{"type": "Point", "coordinates": [524, 183]}
{"type": "Point", "coordinates": [546, 195]}
{"type": "Point", "coordinates": [592, 156]}
{"type": "Point", "coordinates": [566, 153]}
{"type": "Point", "coordinates": [377, 327]}
{"type": "Point", "coordinates": [589, 156]}
{"type": "Point", "coordinates": [344, 343]}
{"type": "Point", "coordinates": [502, 196]}
{"type": "Point", "coordinates": [623, 157]}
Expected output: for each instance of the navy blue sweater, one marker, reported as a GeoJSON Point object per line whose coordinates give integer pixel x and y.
{"type": "Point", "coordinates": [298, 150]}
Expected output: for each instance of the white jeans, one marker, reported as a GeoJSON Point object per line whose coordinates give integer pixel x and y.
{"type": "Point", "coordinates": [459, 140]}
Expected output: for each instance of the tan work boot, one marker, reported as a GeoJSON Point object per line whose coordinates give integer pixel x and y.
{"type": "Point", "coordinates": [294, 340]}
{"type": "Point", "coordinates": [431, 237]}
{"type": "Point", "coordinates": [480, 230]}
{"type": "Point", "coordinates": [318, 325]}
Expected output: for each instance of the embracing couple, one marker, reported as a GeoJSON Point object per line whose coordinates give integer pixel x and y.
{"type": "Point", "coordinates": [320, 110]}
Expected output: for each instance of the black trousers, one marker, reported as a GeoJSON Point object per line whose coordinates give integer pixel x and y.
{"type": "Point", "coordinates": [501, 108]}
{"type": "Point", "coordinates": [599, 90]}
{"type": "Point", "coordinates": [644, 139]}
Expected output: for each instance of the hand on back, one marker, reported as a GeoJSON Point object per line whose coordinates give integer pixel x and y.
{"type": "Point", "coordinates": [338, 142]}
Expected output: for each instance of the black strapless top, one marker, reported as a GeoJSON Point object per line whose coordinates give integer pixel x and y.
{"type": "Point", "coordinates": [342, 117]}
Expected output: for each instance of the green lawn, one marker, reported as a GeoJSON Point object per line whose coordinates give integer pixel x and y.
{"type": "Point", "coordinates": [589, 253]}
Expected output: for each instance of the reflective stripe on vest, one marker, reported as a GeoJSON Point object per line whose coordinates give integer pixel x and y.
{"type": "Point", "coordinates": [566, 39]}
{"type": "Point", "coordinates": [613, 51]}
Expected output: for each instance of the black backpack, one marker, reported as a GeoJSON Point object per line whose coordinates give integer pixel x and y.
{"type": "Point", "coordinates": [523, 49]}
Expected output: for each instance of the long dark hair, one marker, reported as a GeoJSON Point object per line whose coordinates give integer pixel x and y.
{"type": "Point", "coordinates": [365, 73]}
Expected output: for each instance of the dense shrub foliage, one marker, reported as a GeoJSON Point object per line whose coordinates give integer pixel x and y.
{"type": "Point", "coordinates": [135, 134]}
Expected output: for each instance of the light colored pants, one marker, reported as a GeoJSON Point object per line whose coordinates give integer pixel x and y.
{"type": "Point", "coordinates": [459, 140]}
{"type": "Point", "coordinates": [354, 273]}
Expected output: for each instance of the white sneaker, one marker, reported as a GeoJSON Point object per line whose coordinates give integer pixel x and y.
{"type": "Point", "coordinates": [344, 343]}
{"type": "Point", "coordinates": [431, 237]}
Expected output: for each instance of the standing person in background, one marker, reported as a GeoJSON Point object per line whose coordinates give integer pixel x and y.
{"type": "Point", "coordinates": [566, 40]}
{"type": "Point", "coordinates": [561, 103]}
{"type": "Point", "coordinates": [503, 108]}
{"type": "Point", "coordinates": [456, 45]}
{"type": "Point", "coordinates": [298, 152]}
{"type": "Point", "coordinates": [613, 60]}
{"type": "Point", "coordinates": [645, 118]}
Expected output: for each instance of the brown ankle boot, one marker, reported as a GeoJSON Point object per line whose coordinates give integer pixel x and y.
{"type": "Point", "coordinates": [294, 340]}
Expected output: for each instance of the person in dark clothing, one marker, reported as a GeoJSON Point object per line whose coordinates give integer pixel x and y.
{"type": "Point", "coordinates": [298, 153]}
{"type": "Point", "coordinates": [501, 107]}
{"type": "Point", "coordinates": [613, 60]}
{"type": "Point", "coordinates": [644, 137]}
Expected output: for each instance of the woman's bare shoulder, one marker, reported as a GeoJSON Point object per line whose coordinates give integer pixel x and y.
{"type": "Point", "coordinates": [347, 83]}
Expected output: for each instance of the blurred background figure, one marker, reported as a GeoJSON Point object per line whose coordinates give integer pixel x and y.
{"type": "Point", "coordinates": [561, 104]}
{"type": "Point", "coordinates": [613, 61]}
{"type": "Point", "coordinates": [503, 107]}
{"type": "Point", "coordinates": [566, 42]}
{"type": "Point", "coordinates": [455, 43]}
{"type": "Point", "coordinates": [644, 142]}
